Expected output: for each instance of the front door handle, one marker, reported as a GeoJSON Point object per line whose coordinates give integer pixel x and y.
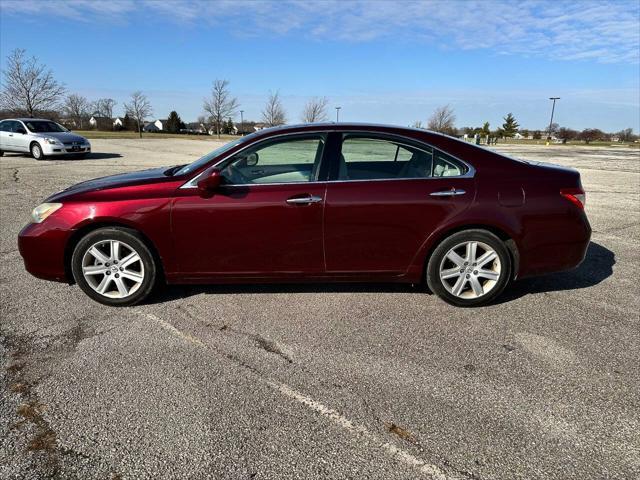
{"type": "Point", "coordinates": [304, 200]}
{"type": "Point", "coordinates": [448, 193]}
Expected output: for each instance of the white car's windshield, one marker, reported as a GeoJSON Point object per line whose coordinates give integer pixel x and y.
{"type": "Point", "coordinates": [210, 156]}
{"type": "Point", "coordinates": [41, 126]}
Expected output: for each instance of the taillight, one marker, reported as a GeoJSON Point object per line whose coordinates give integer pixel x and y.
{"type": "Point", "coordinates": [575, 196]}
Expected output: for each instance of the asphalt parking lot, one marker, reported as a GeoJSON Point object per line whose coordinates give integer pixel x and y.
{"type": "Point", "coordinates": [324, 381]}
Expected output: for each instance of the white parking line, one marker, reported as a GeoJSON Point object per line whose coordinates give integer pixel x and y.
{"type": "Point", "coordinates": [433, 471]}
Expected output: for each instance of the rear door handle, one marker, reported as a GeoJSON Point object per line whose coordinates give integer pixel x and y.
{"type": "Point", "coordinates": [448, 193]}
{"type": "Point", "coordinates": [304, 200]}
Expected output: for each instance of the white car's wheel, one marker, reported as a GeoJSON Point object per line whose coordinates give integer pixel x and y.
{"type": "Point", "coordinates": [36, 151]}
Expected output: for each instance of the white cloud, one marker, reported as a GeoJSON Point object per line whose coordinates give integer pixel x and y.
{"type": "Point", "coordinates": [603, 31]}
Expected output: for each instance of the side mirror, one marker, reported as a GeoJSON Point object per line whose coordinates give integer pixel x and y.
{"type": "Point", "coordinates": [251, 159]}
{"type": "Point", "coordinates": [21, 131]}
{"type": "Point", "coordinates": [210, 183]}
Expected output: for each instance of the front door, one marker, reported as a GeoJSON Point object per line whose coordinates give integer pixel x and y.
{"type": "Point", "coordinates": [264, 221]}
{"type": "Point", "coordinates": [21, 138]}
{"type": "Point", "coordinates": [389, 197]}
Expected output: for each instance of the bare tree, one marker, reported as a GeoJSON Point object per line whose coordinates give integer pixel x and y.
{"type": "Point", "coordinates": [273, 113]}
{"type": "Point", "coordinates": [626, 135]}
{"type": "Point", "coordinates": [139, 108]}
{"type": "Point", "coordinates": [28, 86]}
{"type": "Point", "coordinates": [417, 124]}
{"type": "Point", "coordinates": [315, 110]}
{"type": "Point", "coordinates": [103, 107]}
{"type": "Point", "coordinates": [202, 120]}
{"type": "Point", "coordinates": [442, 120]}
{"type": "Point", "coordinates": [76, 107]}
{"type": "Point", "coordinates": [221, 104]}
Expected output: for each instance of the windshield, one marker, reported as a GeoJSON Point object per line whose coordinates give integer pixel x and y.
{"type": "Point", "coordinates": [41, 126]}
{"type": "Point", "coordinates": [210, 156]}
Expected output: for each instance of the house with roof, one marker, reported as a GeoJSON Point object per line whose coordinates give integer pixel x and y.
{"type": "Point", "coordinates": [101, 123]}
{"type": "Point", "coordinates": [156, 126]}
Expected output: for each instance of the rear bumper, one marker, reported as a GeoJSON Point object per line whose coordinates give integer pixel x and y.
{"type": "Point", "coordinates": [564, 249]}
{"type": "Point", "coordinates": [43, 251]}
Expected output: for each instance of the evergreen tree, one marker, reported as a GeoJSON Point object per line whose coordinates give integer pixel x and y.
{"type": "Point", "coordinates": [228, 126]}
{"type": "Point", "coordinates": [510, 126]}
{"type": "Point", "coordinates": [174, 122]}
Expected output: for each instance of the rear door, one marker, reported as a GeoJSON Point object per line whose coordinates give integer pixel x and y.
{"type": "Point", "coordinates": [388, 194]}
{"type": "Point", "coordinates": [265, 221]}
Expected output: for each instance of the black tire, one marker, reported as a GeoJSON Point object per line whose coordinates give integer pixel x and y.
{"type": "Point", "coordinates": [130, 240]}
{"type": "Point", "coordinates": [36, 151]}
{"type": "Point", "coordinates": [467, 298]}
{"type": "Point", "coordinates": [1, 153]}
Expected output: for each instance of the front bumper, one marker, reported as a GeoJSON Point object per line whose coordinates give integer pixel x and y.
{"type": "Point", "coordinates": [55, 149]}
{"type": "Point", "coordinates": [43, 251]}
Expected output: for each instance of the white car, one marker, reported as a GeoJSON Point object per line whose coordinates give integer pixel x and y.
{"type": "Point", "coordinates": [41, 138]}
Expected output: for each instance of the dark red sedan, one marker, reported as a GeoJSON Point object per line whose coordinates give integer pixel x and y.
{"type": "Point", "coordinates": [330, 202]}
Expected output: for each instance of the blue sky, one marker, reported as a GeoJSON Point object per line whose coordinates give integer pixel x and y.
{"type": "Point", "coordinates": [387, 62]}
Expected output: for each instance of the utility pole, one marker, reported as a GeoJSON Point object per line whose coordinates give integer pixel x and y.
{"type": "Point", "coordinates": [553, 108]}
{"type": "Point", "coordinates": [241, 123]}
{"type": "Point", "coordinates": [338, 114]}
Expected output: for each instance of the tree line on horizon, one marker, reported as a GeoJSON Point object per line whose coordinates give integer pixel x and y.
{"type": "Point", "coordinates": [30, 89]}
{"type": "Point", "coordinates": [443, 121]}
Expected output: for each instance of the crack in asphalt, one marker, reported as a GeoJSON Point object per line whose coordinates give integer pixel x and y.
{"type": "Point", "coordinates": [433, 471]}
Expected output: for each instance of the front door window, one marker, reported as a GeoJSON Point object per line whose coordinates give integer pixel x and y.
{"type": "Point", "coordinates": [290, 160]}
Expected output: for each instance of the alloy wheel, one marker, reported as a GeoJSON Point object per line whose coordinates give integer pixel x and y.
{"type": "Point", "coordinates": [470, 269]}
{"type": "Point", "coordinates": [36, 152]}
{"type": "Point", "coordinates": [113, 268]}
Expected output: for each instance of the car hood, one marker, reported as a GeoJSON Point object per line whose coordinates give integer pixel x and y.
{"type": "Point", "coordinates": [64, 137]}
{"type": "Point", "coordinates": [112, 181]}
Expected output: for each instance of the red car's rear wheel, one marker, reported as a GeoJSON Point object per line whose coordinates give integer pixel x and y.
{"type": "Point", "coordinates": [469, 268]}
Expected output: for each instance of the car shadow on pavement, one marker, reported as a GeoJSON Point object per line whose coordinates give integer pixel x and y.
{"type": "Point", "coordinates": [597, 266]}
{"type": "Point", "coordinates": [175, 292]}
{"type": "Point", "coordinates": [71, 156]}
{"type": "Point", "coordinates": [92, 156]}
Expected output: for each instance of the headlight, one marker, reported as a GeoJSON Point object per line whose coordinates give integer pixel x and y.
{"type": "Point", "coordinates": [43, 210]}
{"type": "Point", "coordinates": [52, 141]}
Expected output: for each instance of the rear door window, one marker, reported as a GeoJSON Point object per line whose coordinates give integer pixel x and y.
{"type": "Point", "coordinates": [371, 158]}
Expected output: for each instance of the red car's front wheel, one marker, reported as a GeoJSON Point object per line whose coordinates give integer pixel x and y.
{"type": "Point", "coordinates": [114, 266]}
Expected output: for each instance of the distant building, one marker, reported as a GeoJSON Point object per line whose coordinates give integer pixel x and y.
{"type": "Point", "coordinates": [101, 123]}
{"type": "Point", "coordinates": [156, 126]}
{"type": "Point", "coordinates": [68, 122]}
{"type": "Point", "coordinates": [118, 123]}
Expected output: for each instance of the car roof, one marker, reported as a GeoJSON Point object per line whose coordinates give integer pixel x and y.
{"type": "Point", "coordinates": [28, 119]}
{"type": "Point", "coordinates": [344, 126]}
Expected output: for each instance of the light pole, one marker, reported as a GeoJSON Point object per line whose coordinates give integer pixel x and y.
{"type": "Point", "coordinates": [553, 108]}
{"type": "Point", "coordinates": [241, 123]}
{"type": "Point", "coordinates": [338, 114]}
